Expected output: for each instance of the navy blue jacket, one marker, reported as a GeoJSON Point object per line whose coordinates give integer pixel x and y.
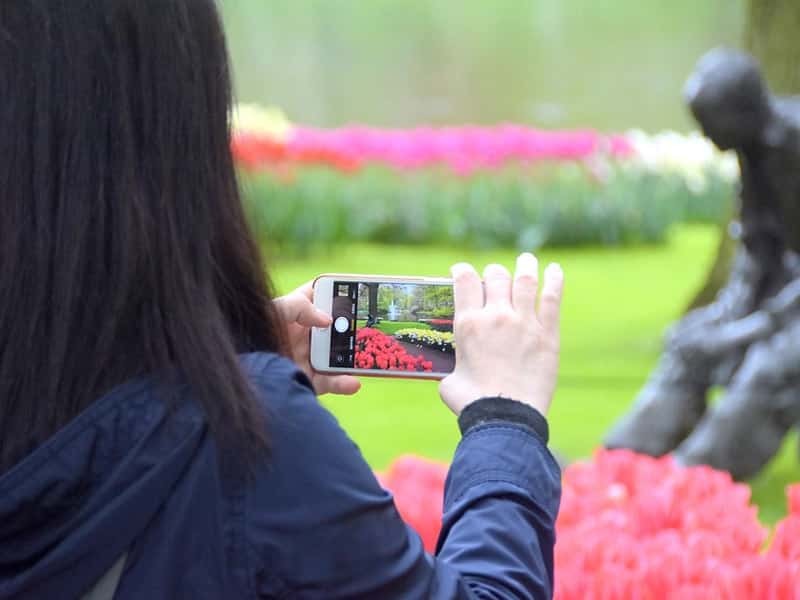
{"type": "Point", "coordinates": [313, 522]}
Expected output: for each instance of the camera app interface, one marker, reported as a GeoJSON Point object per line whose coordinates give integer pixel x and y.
{"type": "Point", "coordinates": [393, 327]}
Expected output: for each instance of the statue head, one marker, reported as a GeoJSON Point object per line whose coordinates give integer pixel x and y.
{"type": "Point", "coordinates": [728, 97]}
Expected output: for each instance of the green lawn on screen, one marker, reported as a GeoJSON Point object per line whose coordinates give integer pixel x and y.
{"type": "Point", "coordinates": [617, 303]}
{"type": "Point", "coordinates": [392, 327]}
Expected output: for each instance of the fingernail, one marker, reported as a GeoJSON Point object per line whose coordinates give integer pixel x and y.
{"type": "Point", "coordinates": [555, 269]}
{"type": "Point", "coordinates": [324, 316]}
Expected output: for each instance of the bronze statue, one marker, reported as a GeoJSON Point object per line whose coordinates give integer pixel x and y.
{"type": "Point", "coordinates": [748, 340]}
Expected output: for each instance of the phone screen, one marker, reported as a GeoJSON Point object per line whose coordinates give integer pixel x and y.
{"type": "Point", "coordinates": [393, 327]}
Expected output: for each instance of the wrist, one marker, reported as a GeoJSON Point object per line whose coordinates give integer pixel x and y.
{"type": "Point", "coordinates": [503, 410]}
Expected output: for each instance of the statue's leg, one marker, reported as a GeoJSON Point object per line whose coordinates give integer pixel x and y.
{"type": "Point", "coordinates": [746, 427]}
{"type": "Point", "coordinates": [667, 409]}
{"type": "Point", "coordinates": [673, 400]}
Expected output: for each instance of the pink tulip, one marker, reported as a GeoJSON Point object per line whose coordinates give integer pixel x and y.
{"type": "Point", "coordinates": [462, 149]}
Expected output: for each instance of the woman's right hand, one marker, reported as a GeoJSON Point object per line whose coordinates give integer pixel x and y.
{"type": "Point", "coordinates": [504, 345]}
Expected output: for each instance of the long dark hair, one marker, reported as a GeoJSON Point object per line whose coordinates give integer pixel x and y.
{"type": "Point", "coordinates": [123, 246]}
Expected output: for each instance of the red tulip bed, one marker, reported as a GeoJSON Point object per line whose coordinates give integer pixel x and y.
{"type": "Point", "coordinates": [636, 528]}
{"type": "Point", "coordinates": [441, 324]}
{"type": "Point", "coordinates": [259, 152]}
{"type": "Point", "coordinates": [376, 350]}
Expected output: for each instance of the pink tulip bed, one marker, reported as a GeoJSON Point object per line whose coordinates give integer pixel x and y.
{"type": "Point", "coordinates": [636, 528]}
{"type": "Point", "coordinates": [463, 150]}
{"type": "Point", "coordinates": [509, 186]}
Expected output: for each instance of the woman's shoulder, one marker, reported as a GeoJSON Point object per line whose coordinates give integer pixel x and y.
{"type": "Point", "coordinates": [304, 436]}
{"type": "Point", "coordinates": [284, 391]}
{"type": "Point", "coordinates": [271, 372]}
{"type": "Point", "coordinates": [268, 365]}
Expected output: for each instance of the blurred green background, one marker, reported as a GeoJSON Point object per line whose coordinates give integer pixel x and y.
{"type": "Point", "coordinates": [612, 65]}
{"type": "Point", "coordinates": [608, 64]}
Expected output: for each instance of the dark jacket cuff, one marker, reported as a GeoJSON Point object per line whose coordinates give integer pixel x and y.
{"type": "Point", "coordinates": [496, 409]}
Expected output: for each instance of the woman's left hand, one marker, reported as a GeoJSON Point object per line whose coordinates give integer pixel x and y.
{"type": "Point", "coordinates": [300, 315]}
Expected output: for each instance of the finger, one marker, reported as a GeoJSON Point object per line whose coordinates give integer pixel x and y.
{"type": "Point", "coordinates": [550, 302]}
{"type": "Point", "coordinates": [467, 288]}
{"type": "Point", "coordinates": [526, 283]}
{"type": "Point", "coordinates": [307, 290]}
{"type": "Point", "coordinates": [497, 281]}
{"type": "Point", "coordinates": [297, 308]}
{"type": "Point", "coordinates": [340, 385]}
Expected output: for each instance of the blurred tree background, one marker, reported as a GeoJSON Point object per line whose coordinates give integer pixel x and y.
{"type": "Point", "coordinates": [608, 64]}
{"type": "Point", "coordinates": [772, 37]}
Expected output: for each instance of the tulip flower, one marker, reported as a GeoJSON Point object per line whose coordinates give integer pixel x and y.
{"type": "Point", "coordinates": [632, 527]}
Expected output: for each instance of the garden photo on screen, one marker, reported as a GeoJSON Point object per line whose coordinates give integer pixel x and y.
{"type": "Point", "coordinates": [405, 327]}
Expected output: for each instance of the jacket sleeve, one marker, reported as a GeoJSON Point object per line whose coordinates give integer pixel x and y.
{"type": "Point", "coordinates": [318, 524]}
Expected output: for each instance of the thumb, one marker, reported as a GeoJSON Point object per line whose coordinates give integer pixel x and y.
{"type": "Point", "coordinates": [297, 308]}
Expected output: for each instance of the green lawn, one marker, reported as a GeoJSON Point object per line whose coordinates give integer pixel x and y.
{"type": "Point", "coordinates": [392, 327]}
{"type": "Point", "coordinates": [617, 304]}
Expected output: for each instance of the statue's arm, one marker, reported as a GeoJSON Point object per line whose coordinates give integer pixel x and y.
{"type": "Point", "coordinates": [773, 316]}
{"type": "Point", "coordinates": [781, 307]}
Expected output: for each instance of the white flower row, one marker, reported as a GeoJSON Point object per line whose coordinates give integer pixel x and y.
{"type": "Point", "coordinates": [693, 157]}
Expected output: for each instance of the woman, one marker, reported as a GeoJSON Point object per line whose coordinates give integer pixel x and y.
{"type": "Point", "coordinates": [155, 441]}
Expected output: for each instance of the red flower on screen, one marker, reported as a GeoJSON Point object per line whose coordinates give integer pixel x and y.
{"type": "Point", "coordinates": [376, 350]}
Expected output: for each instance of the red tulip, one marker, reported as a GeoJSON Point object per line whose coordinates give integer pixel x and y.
{"type": "Point", "coordinates": [634, 527]}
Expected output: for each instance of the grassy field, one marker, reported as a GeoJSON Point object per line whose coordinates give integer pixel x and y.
{"type": "Point", "coordinates": [617, 304]}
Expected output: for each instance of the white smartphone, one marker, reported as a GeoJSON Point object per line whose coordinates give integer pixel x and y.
{"type": "Point", "coordinates": [385, 326]}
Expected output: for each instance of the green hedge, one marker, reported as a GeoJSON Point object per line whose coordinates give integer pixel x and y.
{"type": "Point", "coordinates": [559, 206]}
